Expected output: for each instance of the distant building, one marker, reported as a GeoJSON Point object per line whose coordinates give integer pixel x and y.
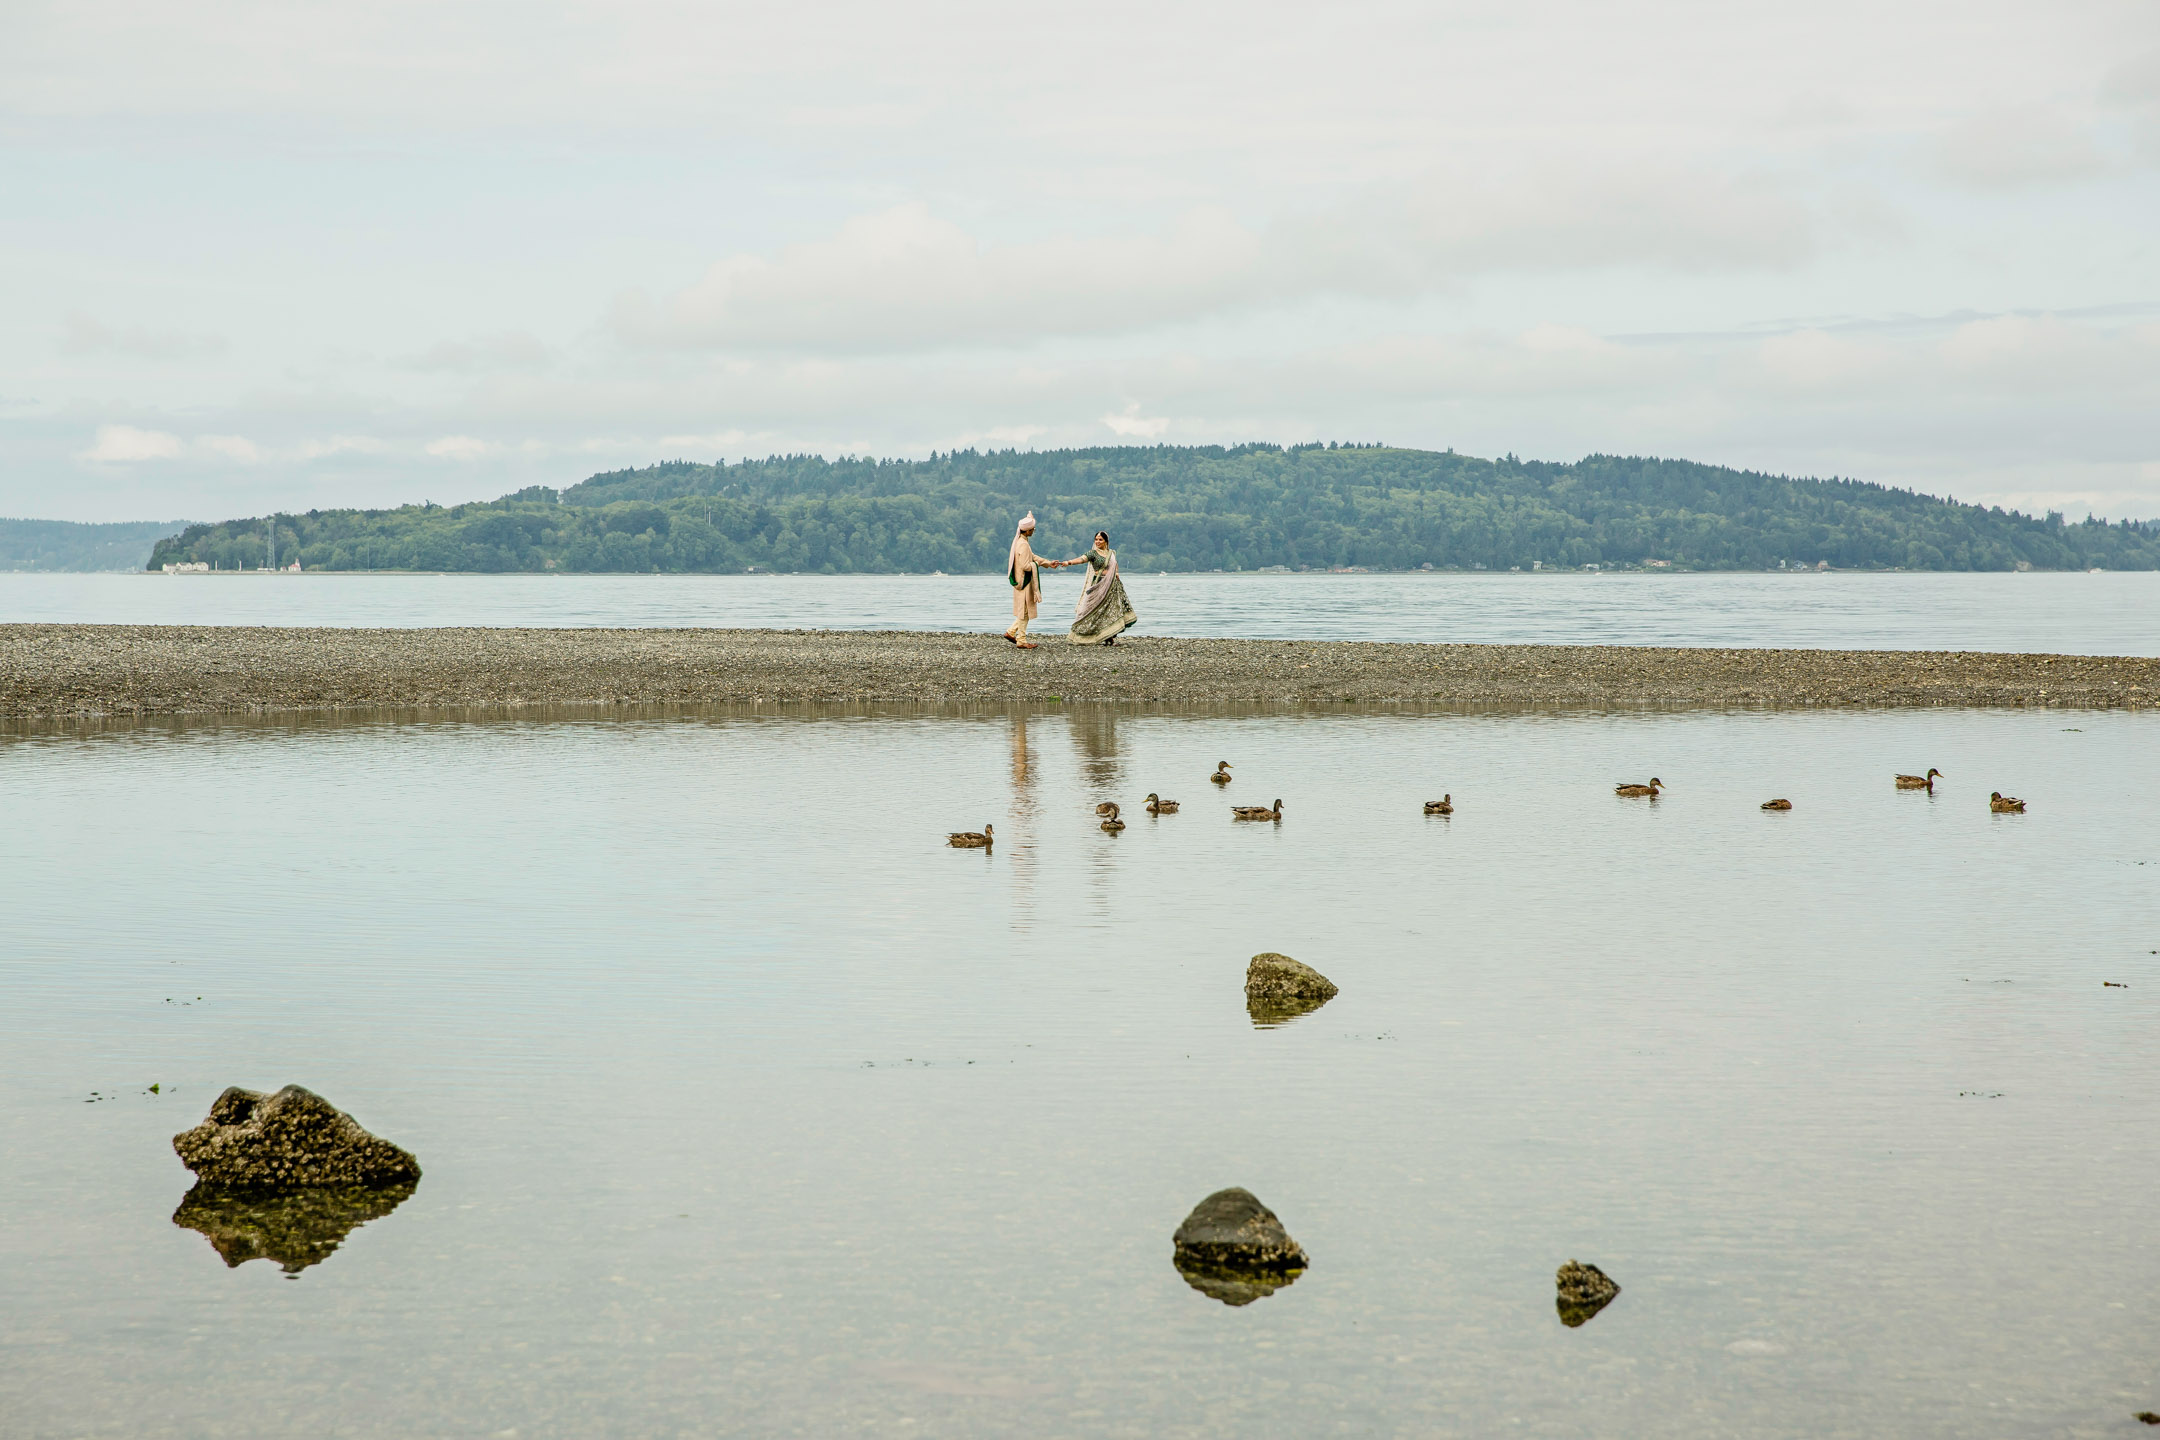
{"type": "Point", "coordinates": [188, 567]}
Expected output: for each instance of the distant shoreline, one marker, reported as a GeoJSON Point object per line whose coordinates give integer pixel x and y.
{"type": "Point", "coordinates": [1438, 572]}
{"type": "Point", "coordinates": [50, 672]}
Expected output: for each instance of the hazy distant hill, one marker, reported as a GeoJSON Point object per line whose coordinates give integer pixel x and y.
{"type": "Point", "coordinates": [1177, 508]}
{"type": "Point", "coordinates": [66, 545]}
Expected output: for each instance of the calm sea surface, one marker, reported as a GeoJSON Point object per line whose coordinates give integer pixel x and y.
{"type": "Point", "coordinates": [2108, 614]}
{"type": "Point", "coordinates": [749, 1108]}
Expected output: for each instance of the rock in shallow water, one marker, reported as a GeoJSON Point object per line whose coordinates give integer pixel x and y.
{"type": "Point", "coordinates": [1233, 1248]}
{"type": "Point", "coordinates": [296, 1229]}
{"type": "Point", "coordinates": [1279, 988]}
{"type": "Point", "coordinates": [292, 1140]}
{"type": "Point", "coordinates": [1584, 1290]}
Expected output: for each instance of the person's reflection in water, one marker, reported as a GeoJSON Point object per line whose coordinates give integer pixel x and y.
{"type": "Point", "coordinates": [296, 1229]}
{"type": "Point", "coordinates": [1095, 735]}
{"type": "Point", "coordinates": [1094, 731]}
{"type": "Point", "coordinates": [1020, 856]}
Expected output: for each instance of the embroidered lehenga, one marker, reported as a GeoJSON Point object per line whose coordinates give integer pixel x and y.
{"type": "Point", "coordinates": [1103, 612]}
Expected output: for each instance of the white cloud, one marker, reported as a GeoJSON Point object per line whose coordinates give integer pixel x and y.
{"type": "Point", "coordinates": [82, 335]}
{"type": "Point", "coordinates": [339, 445]}
{"type": "Point", "coordinates": [2132, 89]}
{"type": "Point", "coordinates": [2034, 356]}
{"type": "Point", "coordinates": [1001, 437]}
{"type": "Point", "coordinates": [1815, 362]}
{"type": "Point", "coordinates": [464, 448]}
{"type": "Point", "coordinates": [230, 447]}
{"type": "Point", "coordinates": [903, 279]}
{"type": "Point", "coordinates": [124, 444]}
{"type": "Point", "coordinates": [1134, 426]}
{"type": "Point", "coordinates": [2029, 145]}
{"type": "Point", "coordinates": [856, 225]}
{"type": "Point", "coordinates": [717, 443]}
{"type": "Point", "coordinates": [514, 350]}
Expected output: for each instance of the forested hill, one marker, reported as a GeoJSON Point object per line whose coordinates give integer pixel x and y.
{"type": "Point", "coordinates": [69, 545]}
{"type": "Point", "coordinates": [1176, 508]}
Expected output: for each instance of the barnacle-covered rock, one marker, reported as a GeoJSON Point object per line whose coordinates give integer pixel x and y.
{"type": "Point", "coordinates": [291, 1140]}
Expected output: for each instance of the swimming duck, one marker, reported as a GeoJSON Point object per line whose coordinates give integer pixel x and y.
{"type": "Point", "coordinates": [1156, 805]}
{"type": "Point", "coordinates": [1919, 782]}
{"type": "Point", "coordinates": [1650, 789]}
{"type": "Point", "coordinates": [970, 839]}
{"type": "Point", "coordinates": [1113, 824]}
{"type": "Point", "coordinates": [1777, 804]}
{"type": "Point", "coordinates": [1445, 805]}
{"type": "Point", "coordinates": [1256, 812]}
{"type": "Point", "coordinates": [2003, 804]}
{"type": "Point", "coordinates": [1222, 772]}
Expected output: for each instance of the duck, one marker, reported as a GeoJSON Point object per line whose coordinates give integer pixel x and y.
{"type": "Point", "coordinates": [1445, 805]}
{"type": "Point", "coordinates": [1156, 805]}
{"type": "Point", "coordinates": [1650, 789]}
{"type": "Point", "coordinates": [1222, 772]}
{"type": "Point", "coordinates": [1777, 804]}
{"type": "Point", "coordinates": [1256, 812]}
{"type": "Point", "coordinates": [1105, 808]}
{"type": "Point", "coordinates": [1112, 823]}
{"type": "Point", "coordinates": [2003, 804]}
{"type": "Point", "coordinates": [970, 839]}
{"type": "Point", "coordinates": [1920, 782]}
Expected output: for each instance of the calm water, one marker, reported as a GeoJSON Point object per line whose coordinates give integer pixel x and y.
{"type": "Point", "coordinates": [748, 1108]}
{"type": "Point", "coordinates": [2108, 614]}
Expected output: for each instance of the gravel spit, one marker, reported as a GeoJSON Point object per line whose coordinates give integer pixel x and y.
{"type": "Point", "coordinates": [59, 671]}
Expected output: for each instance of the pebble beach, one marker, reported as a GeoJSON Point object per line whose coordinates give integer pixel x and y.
{"type": "Point", "coordinates": [53, 672]}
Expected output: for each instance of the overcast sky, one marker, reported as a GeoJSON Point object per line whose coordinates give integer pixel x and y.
{"type": "Point", "coordinates": [294, 255]}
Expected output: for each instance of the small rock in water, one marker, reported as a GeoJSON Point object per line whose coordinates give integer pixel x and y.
{"type": "Point", "coordinates": [1278, 989]}
{"type": "Point", "coordinates": [1584, 1290]}
{"type": "Point", "coordinates": [292, 1140]}
{"type": "Point", "coordinates": [1234, 1249]}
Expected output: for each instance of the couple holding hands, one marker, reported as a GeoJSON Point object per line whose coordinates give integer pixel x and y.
{"type": "Point", "coordinates": [1103, 612]}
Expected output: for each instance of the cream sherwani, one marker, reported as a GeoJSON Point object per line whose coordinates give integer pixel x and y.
{"type": "Point", "coordinates": [1024, 573]}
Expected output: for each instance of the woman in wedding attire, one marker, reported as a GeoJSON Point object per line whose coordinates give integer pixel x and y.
{"type": "Point", "coordinates": [1103, 612]}
{"type": "Point", "coordinates": [1024, 573]}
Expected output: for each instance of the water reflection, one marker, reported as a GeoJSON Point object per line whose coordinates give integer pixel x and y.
{"type": "Point", "coordinates": [1574, 1314]}
{"type": "Point", "coordinates": [1783, 1138]}
{"type": "Point", "coordinates": [1094, 733]}
{"type": "Point", "coordinates": [296, 1229]}
{"type": "Point", "coordinates": [1020, 858]}
{"type": "Point", "coordinates": [1234, 1284]}
{"type": "Point", "coordinates": [1094, 730]}
{"type": "Point", "coordinates": [1268, 1013]}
